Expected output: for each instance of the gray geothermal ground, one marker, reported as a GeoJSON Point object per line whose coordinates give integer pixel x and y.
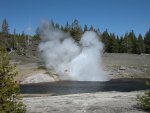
{"type": "Point", "coordinates": [102, 102]}
{"type": "Point", "coordinates": [117, 65]}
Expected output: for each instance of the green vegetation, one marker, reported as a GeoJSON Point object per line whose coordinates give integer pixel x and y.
{"type": "Point", "coordinates": [5, 26]}
{"type": "Point", "coordinates": [127, 43]}
{"type": "Point", "coordinates": [147, 42]}
{"type": "Point", "coordinates": [9, 89]}
{"type": "Point", "coordinates": [21, 43]}
{"type": "Point", "coordinates": [144, 101]}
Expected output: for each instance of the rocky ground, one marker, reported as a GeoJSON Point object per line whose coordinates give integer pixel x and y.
{"type": "Point", "coordinates": [117, 66]}
{"type": "Point", "coordinates": [102, 102]}
{"type": "Point", "coordinates": [127, 65]}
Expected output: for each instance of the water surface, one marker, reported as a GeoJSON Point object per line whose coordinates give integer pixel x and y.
{"type": "Point", "coordinates": [74, 87]}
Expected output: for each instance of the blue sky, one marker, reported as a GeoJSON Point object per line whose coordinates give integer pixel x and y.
{"type": "Point", "coordinates": [118, 16]}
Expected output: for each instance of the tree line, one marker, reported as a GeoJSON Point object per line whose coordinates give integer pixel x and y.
{"type": "Point", "coordinates": [127, 43]}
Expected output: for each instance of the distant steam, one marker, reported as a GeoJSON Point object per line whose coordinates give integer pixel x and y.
{"type": "Point", "coordinates": [72, 61]}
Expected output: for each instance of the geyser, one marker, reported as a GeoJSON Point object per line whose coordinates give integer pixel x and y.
{"type": "Point", "coordinates": [71, 60]}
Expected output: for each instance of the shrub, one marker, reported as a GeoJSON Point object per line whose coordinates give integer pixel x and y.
{"type": "Point", "coordinates": [9, 89]}
{"type": "Point", "coordinates": [144, 101]}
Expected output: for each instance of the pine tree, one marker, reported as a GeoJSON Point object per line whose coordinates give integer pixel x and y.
{"type": "Point", "coordinates": [85, 28]}
{"type": "Point", "coordinates": [105, 39]}
{"type": "Point", "coordinates": [127, 43]}
{"type": "Point", "coordinates": [140, 45]}
{"type": "Point", "coordinates": [67, 27]}
{"type": "Point", "coordinates": [119, 43]}
{"type": "Point", "coordinates": [75, 24]}
{"type": "Point", "coordinates": [91, 28]}
{"type": "Point", "coordinates": [9, 89]}
{"type": "Point", "coordinates": [123, 44]}
{"type": "Point", "coordinates": [147, 42]}
{"type": "Point", "coordinates": [5, 27]}
{"type": "Point", "coordinates": [76, 31]}
{"type": "Point", "coordinates": [14, 41]}
{"type": "Point", "coordinates": [113, 44]}
{"type": "Point", "coordinates": [132, 42]}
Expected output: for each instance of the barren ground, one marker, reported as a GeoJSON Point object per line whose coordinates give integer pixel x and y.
{"type": "Point", "coordinates": [117, 66]}
{"type": "Point", "coordinates": [127, 65]}
{"type": "Point", "coordinates": [102, 102]}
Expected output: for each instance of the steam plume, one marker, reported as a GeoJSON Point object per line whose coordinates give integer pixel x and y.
{"type": "Point", "coordinates": [72, 61]}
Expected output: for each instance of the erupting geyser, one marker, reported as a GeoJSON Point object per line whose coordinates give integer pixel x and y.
{"type": "Point", "coordinates": [72, 61]}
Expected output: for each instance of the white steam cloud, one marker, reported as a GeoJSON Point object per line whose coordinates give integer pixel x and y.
{"type": "Point", "coordinates": [72, 61]}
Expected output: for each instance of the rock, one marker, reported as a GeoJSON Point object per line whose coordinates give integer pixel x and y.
{"type": "Point", "coordinates": [122, 68]}
{"type": "Point", "coordinates": [37, 78]}
{"type": "Point", "coordinates": [53, 74]}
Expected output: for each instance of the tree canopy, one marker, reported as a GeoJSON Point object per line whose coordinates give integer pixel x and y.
{"type": "Point", "coordinates": [127, 43]}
